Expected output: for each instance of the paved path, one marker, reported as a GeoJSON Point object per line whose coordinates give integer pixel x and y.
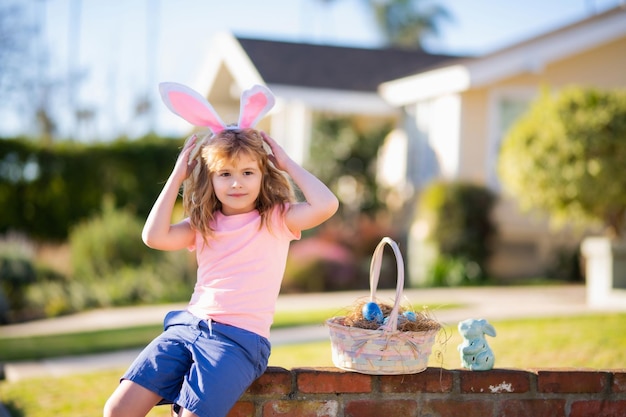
{"type": "Point", "coordinates": [492, 303]}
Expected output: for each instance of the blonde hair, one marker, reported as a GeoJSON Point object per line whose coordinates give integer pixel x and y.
{"type": "Point", "coordinates": [199, 199]}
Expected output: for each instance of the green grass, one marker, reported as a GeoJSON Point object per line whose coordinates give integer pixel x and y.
{"type": "Point", "coordinates": [595, 341]}
{"type": "Point", "coordinates": [71, 396]}
{"type": "Point", "coordinates": [587, 341]}
{"type": "Point", "coordinates": [43, 347]}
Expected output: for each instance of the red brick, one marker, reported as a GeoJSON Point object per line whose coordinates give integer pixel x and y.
{"type": "Point", "coordinates": [378, 408]}
{"type": "Point", "coordinates": [619, 381]}
{"type": "Point", "coordinates": [308, 408]}
{"type": "Point", "coordinates": [456, 408]}
{"type": "Point", "coordinates": [331, 380]}
{"type": "Point", "coordinates": [242, 409]}
{"type": "Point", "coordinates": [497, 381]}
{"type": "Point", "coordinates": [571, 381]}
{"type": "Point", "coordinates": [431, 380]}
{"type": "Point", "coordinates": [598, 408]}
{"type": "Point", "coordinates": [274, 381]}
{"type": "Point", "coordinates": [534, 408]}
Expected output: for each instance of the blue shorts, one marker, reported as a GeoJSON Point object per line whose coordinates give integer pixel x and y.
{"type": "Point", "coordinates": [201, 365]}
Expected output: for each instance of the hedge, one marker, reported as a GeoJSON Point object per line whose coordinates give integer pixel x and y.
{"type": "Point", "coordinates": [45, 190]}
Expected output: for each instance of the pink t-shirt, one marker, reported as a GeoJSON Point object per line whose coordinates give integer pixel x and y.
{"type": "Point", "coordinates": [240, 270]}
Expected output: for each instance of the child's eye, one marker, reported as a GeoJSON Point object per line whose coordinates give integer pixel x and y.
{"type": "Point", "coordinates": [248, 173]}
{"type": "Point", "coordinates": [225, 174]}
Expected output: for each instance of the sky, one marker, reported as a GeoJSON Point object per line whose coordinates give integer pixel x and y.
{"type": "Point", "coordinates": [123, 48]}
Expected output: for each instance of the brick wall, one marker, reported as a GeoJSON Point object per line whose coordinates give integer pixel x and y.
{"type": "Point", "coordinates": [330, 392]}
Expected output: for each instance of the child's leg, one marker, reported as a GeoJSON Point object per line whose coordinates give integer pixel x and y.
{"type": "Point", "coordinates": [178, 411]}
{"type": "Point", "coordinates": [186, 413]}
{"type": "Point", "coordinates": [130, 400]}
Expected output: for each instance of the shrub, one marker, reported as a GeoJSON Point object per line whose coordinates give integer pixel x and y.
{"type": "Point", "coordinates": [457, 217]}
{"type": "Point", "coordinates": [116, 268]}
{"type": "Point", "coordinates": [45, 190]}
{"type": "Point", "coordinates": [17, 272]}
{"type": "Point", "coordinates": [112, 267]}
{"type": "Point", "coordinates": [449, 271]}
{"type": "Point", "coordinates": [567, 156]}
{"type": "Point", "coordinates": [50, 299]}
{"type": "Point", "coordinates": [104, 244]}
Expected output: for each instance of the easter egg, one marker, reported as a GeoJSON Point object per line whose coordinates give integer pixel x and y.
{"type": "Point", "coordinates": [400, 322]}
{"type": "Point", "coordinates": [410, 316]}
{"type": "Point", "coordinates": [372, 312]}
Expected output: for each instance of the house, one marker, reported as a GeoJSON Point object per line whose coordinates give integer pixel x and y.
{"type": "Point", "coordinates": [451, 112]}
{"type": "Point", "coordinates": [307, 79]}
{"type": "Point", "coordinates": [457, 114]}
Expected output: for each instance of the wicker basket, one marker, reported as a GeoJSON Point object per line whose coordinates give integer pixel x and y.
{"type": "Point", "coordinates": [385, 351]}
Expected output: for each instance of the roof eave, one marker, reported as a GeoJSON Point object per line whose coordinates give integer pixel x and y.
{"type": "Point", "coordinates": [335, 101]}
{"type": "Point", "coordinates": [225, 49]}
{"type": "Point", "coordinates": [526, 57]}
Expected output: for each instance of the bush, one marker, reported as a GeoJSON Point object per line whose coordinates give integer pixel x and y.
{"type": "Point", "coordinates": [343, 156]}
{"type": "Point", "coordinates": [565, 265]}
{"type": "Point", "coordinates": [17, 272]}
{"type": "Point", "coordinates": [567, 156]}
{"type": "Point", "coordinates": [45, 190]}
{"type": "Point", "coordinates": [457, 217]}
{"type": "Point", "coordinates": [110, 267]}
{"type": "Point", "coordinates": [107, 243]}
{"type": "Point", "coordinates": [109, 256]}
{"type": "Point", "coordinates": [51, 299]}
{"type": "Point", "coordinates": [337, 257]}
{"type": "Point", "coordinates": [449, 271]}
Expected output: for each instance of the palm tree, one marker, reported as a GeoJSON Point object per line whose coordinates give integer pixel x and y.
{"type": "Point", "coordinates": [405, 23]}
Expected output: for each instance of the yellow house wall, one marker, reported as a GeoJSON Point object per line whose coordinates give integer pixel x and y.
{"type": "Point", "coordinates": [526, 243]}
{"type": "Point", "coordinates": [473, 136]}
{"type": "Point", "coordinates": [604, 67]}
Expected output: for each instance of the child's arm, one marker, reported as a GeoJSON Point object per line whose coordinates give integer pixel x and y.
{"type": "Point", "coordinates": [158, 232]}
{"type": "Point", "coordinates": [320, 202]}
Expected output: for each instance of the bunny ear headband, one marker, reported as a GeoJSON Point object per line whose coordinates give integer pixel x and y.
{"type": "Point", "coordinates": [194, 108]}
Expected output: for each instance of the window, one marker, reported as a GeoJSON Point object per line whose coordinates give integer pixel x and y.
{"type": "Point", "coordinates": [506, 106]}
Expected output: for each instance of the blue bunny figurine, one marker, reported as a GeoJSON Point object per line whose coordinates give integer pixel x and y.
{"type": "Point", "coordinates": [476, 355]}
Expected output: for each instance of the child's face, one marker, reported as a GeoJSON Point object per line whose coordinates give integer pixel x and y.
{"type": "Point", "coordinates": [237, 185]}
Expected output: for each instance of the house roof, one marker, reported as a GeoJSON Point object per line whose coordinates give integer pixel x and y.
{"type": "Point", "coordinates": [334, 67]}
{"type": "Point", "coordinates": [529, 56]}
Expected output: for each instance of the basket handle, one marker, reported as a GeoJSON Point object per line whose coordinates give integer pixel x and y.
{"type": "Point", "coordinates": [375, 266]}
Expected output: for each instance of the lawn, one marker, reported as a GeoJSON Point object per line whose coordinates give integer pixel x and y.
{"type": "Point", "coordinates": [41, 347]}
{"type": "Point", "coordinates": [594, 341]}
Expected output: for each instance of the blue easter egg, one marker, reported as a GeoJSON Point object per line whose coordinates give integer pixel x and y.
{"type": "Point", "coordinates": [372, 312]}
{"type": "Point", "coordinates": [401, 321]}
{"type": "Point", "coordinates": [410, 316]}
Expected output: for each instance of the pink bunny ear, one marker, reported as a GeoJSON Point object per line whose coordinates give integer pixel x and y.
{"type": "Point", "coordinates": [255, 103]}
{"type": "Point", "coordinates": [191, 106]}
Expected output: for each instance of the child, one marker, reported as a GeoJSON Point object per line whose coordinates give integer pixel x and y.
{"type": "Point", "coordinates": [241, 221]}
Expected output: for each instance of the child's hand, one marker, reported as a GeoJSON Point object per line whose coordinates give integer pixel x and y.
{"type": "Point", "coordinates": [279, 157]}
{"type": "Point", "coordinates": [183, 167]}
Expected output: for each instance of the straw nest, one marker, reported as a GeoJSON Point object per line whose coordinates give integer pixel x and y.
{"type": "Point", "coordinates": [423, 322]}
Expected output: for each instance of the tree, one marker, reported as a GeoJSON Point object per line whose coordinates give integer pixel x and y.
{"type": "Point", "coordinates": [344, 157]}
{"type": "Point", "coordinates": [406, 22]}
{"type": "Point", "coordinates": [567, 156]}
{"type": "Point", "coordinates": [29, 91]}
{"type": "Point", "coordinates": [13, 42]}
{"type": "Point", "coordinates": [20, 76]}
